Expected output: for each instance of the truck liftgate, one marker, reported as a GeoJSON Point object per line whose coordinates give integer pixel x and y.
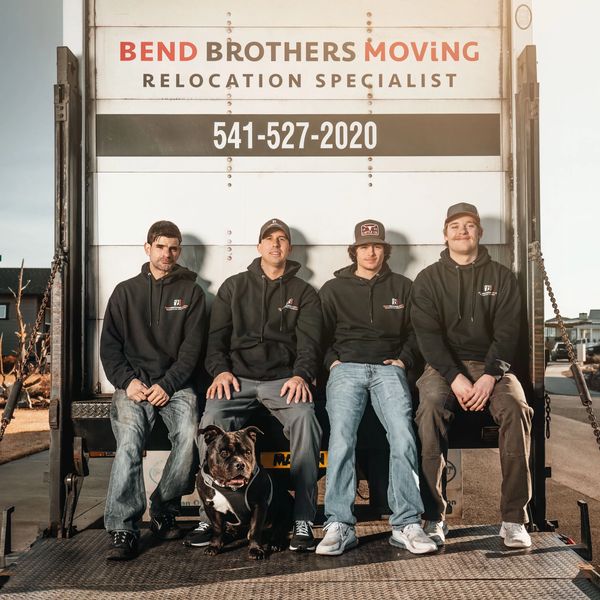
{"type": "Point", "coordinates": [120, 157]}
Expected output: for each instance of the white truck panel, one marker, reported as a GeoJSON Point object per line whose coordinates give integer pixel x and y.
{"type": "Point", "coordinates": [309, 13]}
{"type": "Point", "coordinates": [322, 206]}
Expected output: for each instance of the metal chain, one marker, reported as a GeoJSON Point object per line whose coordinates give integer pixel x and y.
{"type": "Point", "coordinates": [535, 253]}
{"type": "Point", "coordinates": [57, 264]}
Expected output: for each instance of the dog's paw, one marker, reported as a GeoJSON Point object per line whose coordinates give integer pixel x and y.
{"type": "Point", "coordinates": [278, 547]}
{"type": "Point", "coordinates": [257, 553]}
{"type": "Point", "coordinates": [212, 550]}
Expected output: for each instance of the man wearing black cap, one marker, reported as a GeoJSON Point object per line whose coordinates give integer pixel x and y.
{"type": "Point", "coordinates": [264, 348]}
{"type": "Point", "coordinates": [466, 314]}
{"type": "Point", "coordinates": [370, 344]}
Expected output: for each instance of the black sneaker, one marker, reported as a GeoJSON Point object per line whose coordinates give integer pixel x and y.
{"type": "Point", "coordinates": [302, 537]}
{"type": "Point", "coordinates": [164, 527]}
{"type": "Point", "coordinates": [124, 546]}
{"type": "Point", "coordinates": [200, 536]}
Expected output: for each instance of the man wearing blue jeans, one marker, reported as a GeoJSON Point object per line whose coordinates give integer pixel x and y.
{"type": "Point", "coordinates": [370, 344]}
{"type": "Point", "coordinates": [150, 347]}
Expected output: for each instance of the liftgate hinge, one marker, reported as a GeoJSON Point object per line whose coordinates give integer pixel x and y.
{"type": "Point", "coordinates": [60, 106]}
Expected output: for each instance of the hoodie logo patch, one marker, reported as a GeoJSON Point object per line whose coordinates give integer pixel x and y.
{"type": "Point", "coordinates": [395, 305]}
{"type": "Point", "coordinates": [488, 290]}
{"type": "Point", "coordinates": [289, 305]}
{"type": "Point", "coordinates": [176, 304]}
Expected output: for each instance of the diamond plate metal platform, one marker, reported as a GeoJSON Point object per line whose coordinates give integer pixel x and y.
{"type": "Point", "coordinates": [474, 565]}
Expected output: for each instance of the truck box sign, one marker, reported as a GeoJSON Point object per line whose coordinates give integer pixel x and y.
{"type": "Point", "coordinates": [219, 115]}
{"type": "Point", "coordinates": [298, 63]}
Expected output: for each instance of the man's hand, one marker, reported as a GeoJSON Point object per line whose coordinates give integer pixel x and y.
{"type": "Point", "coordinates": [462, 389]}
{"type": "Point", "coordinates": [157, 396]}
{"type": "Point", "coordinates": [482, 390]}
{"type": "Point", "coordinates": [221, 386]}
{"type": "Point", "coordinates": [297, 389]}
{"type": "Point", "coordinates": [335, 363]}
{"type": "Point", "coordinates": [396, 362]}
{"type": "Point", "coordinates": [136, 391]}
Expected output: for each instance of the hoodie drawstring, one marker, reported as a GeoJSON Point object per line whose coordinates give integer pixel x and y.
{"type": "Point", "coordinates": [160, 302]}
{"type": "Point", "coordinates": [262, 306]}
{"type": "Point", "coordinates": [472, 292]}
{"type": "Point", "coordinates": [458, 294]}
{"type": "Point", "coordinates": [149, 299]}
{"type": "Point", "coordinates": [281, 302]}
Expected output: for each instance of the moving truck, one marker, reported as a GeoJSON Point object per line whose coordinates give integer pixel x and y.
{"type": "Point", "coordinates": [219, 115]}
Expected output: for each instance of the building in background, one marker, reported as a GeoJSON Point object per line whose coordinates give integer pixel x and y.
{"type": "Point", "coordinates": [584, 328]}
{"type": "Point", "coordinates": [30, 302]}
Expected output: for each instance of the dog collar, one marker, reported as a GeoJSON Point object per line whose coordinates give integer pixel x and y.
{"type": "Point", "coordinates": [211, 482]}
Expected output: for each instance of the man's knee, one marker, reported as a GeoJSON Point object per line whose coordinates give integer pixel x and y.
{"type": "Point", "coordinates": [508, 403]}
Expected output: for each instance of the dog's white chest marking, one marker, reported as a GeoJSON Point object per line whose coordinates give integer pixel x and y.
{"type": "Point", "coordinates": [221, 503]}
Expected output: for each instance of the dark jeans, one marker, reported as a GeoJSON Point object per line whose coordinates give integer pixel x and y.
{"type": "Point", "coordinates": [300, 426]}
{"type": "Point", "coordinates": [512, 414]}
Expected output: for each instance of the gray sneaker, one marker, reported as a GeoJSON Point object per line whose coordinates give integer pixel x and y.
{"type": "Point", "coordinates": [413, 538]}
{"type": "Point", "coordinates": [437, 531]}
{"type": "Point", "coordinates": [338, 537]}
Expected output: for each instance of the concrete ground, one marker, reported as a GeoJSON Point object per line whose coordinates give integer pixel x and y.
{"type": "Point", "coordinates": [571, 452]}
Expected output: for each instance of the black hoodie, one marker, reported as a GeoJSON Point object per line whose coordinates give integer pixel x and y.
{"type": "Point", "coordinates": [367, 320]}
{"type": "Point", "coordinates": [153, 330]}
{"type": "Point", "coordinates": [265, 329]}
{"type": "Point", "coordinates": [466, 312]}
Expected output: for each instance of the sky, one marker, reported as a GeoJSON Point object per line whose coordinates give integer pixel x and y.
{"type": "Point", "coordinates": [566, 40]}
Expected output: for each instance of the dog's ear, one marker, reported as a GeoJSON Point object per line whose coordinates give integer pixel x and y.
{"type": "Point", "coordinates": [210, 433]}
{"type": "Point", "coordinates": [251, 432]}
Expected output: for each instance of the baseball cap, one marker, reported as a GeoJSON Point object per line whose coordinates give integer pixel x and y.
{"type": "Point", "coordinates": [460, 209]}
{"type": "Point", "coordinates": [369, 232]}
{"type": "Point", "coordinates": [272, 224]}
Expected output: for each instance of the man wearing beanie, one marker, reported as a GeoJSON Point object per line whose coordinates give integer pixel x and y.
{"type": "Point", "coordinates": [466, 314]}
{"type": "Point", "coordinates": [370, 344]}
{"type": "Point", "coordinates": [264, 348]}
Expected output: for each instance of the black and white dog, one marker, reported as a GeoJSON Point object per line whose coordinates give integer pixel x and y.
{"type": "Point", "coordinates": [239, 495]}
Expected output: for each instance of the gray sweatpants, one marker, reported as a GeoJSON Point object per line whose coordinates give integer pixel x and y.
{"type": "Point", "coordinates": [510, 411]}
{"type": "Point", "coordinates": [300, 427]}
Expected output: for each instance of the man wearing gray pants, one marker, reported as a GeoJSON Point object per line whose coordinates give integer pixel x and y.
{"type": "Point", "coordinates": [264, 348]}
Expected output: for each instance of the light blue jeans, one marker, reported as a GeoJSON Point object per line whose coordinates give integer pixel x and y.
{"type": "Point", "coordinates": [132, 423]}
{"type": "Point", "coordinates": [348, 390]}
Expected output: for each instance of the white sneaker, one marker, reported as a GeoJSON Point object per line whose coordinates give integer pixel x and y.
{"type": "Point", "coordinates": [413, 539]}
{"type": "Point", "coordinates": [338, 537]}
{"type": "Point", "coordinates": [436, 530]}
{"type": "Point", "coordinates": [515, 535]}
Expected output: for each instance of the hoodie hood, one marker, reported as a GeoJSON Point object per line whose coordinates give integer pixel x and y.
{"type": "Point", "coordinates": [156, 288]}
{"type": "Point", "coordinates": [291, 268]}
{"type": "Point", "coordinates": [349, 272]}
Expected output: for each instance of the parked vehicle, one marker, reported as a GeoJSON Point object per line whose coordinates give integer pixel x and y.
{"type": "Point", "coordinates": [559, 352]}
{"type": "Point", "coordinates": [592, 353]}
